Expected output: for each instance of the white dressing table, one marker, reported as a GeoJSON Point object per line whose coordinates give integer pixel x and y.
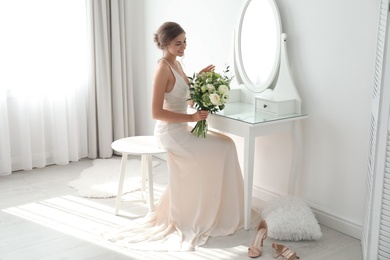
{"type": "Point", "coordinates": [267, 101]}
{"type": "Point", "coordinates": [241, 119]}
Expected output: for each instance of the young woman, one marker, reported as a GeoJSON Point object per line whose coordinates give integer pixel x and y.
{"type": "Point", "coordinates": [204, 196]}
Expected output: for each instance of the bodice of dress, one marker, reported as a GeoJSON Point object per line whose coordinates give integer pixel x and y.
{"type": "Point", "coordinates": [175, 101]}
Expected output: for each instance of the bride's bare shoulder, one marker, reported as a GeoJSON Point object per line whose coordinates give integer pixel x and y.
{"type": "Point", "coordinates": [163, 65]}
{"type": "Point", "coordinates": [163, 71]}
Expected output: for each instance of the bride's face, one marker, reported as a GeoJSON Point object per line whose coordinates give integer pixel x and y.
{"type": "Point", "coordinates": [177, 46]}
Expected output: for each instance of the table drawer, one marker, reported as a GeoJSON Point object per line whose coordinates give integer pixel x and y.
{"type": "Point", "coordinates": [275, 107]}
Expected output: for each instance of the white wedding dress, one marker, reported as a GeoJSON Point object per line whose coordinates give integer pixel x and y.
{"type": "Point", "coordinates": [204, 196]}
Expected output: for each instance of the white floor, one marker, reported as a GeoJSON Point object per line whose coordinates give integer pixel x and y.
{"type": "Point", "coordinates": [42, 218]}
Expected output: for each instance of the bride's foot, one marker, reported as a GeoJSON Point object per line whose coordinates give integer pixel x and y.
{"type": "Point", "coordinates": [255, 249]}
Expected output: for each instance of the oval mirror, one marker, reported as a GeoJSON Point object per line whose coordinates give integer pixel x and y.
{"type": "Point", "coordinates": [258, 44]}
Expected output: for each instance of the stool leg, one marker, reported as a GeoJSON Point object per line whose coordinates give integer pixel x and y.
{"type": "Point", "coordinates": [120, 185]}
{"type": "Point", "coordinates": [143, 174]}
{"type": "Point", "coordinates": [150, 179]}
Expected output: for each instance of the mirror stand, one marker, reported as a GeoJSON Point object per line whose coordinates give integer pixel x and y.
{"type": "Point", "coordinates": [284, 98]}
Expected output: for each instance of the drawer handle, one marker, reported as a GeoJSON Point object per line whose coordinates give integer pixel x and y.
{"type": "Point", "coordinates": [265, 106]}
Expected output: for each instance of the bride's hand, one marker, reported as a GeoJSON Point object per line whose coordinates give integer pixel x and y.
{"type": "Point", "coordinates": [200, 115]}
{"type": "Point", "coordinates": [208, 68]}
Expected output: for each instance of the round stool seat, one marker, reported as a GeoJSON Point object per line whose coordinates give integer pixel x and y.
{"type": "Point", "coordinates": [146, 146]}
{"type": "Point", "coordinates": [137, 145]}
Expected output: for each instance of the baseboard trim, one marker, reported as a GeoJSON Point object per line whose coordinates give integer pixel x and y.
{"type": "Point", "coordinates": [324, 218]}
{"type": "Point", "coordinates": [337, 223]}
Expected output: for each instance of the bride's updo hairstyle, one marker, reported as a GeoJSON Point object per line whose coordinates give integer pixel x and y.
{"type": "Point", "coordinates": [166, 33]}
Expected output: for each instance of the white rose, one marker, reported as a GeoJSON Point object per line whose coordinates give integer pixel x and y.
{"type": "Point", "coordinates": [215, 99]}
{"type": "Point", "coordinates": [210, 87]}
{"type": "Point", "coordinates": [223, 89]}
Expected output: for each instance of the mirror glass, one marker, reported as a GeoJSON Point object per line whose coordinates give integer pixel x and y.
{"type": "Point", "coordinates": [258, 44]}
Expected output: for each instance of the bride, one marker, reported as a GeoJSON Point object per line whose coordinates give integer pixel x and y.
{"type": "Point", "coordinates": [204, 195]}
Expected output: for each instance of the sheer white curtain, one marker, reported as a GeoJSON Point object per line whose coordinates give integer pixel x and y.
{"type": "Point", "coordinates": [43, 83]}
{"type": "Point", "coordinates": [65, 93]}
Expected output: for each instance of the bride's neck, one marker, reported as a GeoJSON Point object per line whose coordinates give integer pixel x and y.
{"type": "Point", "coordinates": [170, 58]}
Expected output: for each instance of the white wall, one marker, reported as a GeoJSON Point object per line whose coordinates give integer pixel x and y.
{"type": "Point", "coordinates": [331, 48]}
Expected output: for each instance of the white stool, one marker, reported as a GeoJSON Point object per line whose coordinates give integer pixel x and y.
{"type": "Point", "coordinates": [146, 146]}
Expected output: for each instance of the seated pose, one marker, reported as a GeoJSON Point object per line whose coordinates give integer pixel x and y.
{"type": "Point", "coordinates": [204, 196]}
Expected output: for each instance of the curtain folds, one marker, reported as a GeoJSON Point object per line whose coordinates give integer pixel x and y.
{"type": "Point", "coordinates": [43, 84]}
{"type": "Point", "coordinates": [110, 109]}
{"type": "Point", "coordinates": [66, 93]}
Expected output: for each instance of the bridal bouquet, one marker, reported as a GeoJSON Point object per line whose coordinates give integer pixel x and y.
{"type": "Point", "coordinates": [209, 91]}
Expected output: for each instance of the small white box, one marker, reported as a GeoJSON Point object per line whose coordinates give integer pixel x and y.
{"type": "Point", "coordinates": [276, 107]}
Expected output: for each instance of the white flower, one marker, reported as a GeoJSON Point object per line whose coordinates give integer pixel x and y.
{"type": "Point", "coordinates": [215, 99]}
{"type": "Point", "coordinates": [223, 89]}
{"type": "Point", "coordinates": [210, 87]}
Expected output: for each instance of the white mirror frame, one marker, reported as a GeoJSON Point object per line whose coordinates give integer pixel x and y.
{"type": "Point", "coordinates": [238, 51]}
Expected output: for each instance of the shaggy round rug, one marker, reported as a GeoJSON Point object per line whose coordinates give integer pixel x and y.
{"type": "Point", "coordinates": [289, 218]}
{"type": "Point", "coordinates": [102, 179]}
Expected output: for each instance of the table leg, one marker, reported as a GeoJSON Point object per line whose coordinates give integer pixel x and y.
{"type": "Point", "coordinates": [296, 137]}
{"type": "Point", "coordinates": [249, 155]}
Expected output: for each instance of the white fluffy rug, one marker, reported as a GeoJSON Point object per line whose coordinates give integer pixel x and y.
{"type": "Point", "coordinates": [289, 218]}
{"type": "Point", "coordinates": [101, 180]}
